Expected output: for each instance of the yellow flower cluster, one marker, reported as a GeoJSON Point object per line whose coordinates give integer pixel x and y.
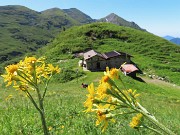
{"type": "Point", "coordinates": [107, 97]}
{"type": "Point", "coordinates": [28, 73]}
{"type": "Point", "coordinates": [108, 100]}
{"type": "Point", "coordinates": [136, 120]}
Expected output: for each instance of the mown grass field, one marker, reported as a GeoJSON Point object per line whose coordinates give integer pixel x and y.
{"type": "Point", "coordinates": [64, 109]}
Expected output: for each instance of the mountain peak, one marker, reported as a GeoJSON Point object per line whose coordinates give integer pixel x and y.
{"type": "Point", "coordinates": [115, 19]}
{"type": "Point", "coordinates": [78, 15]}
{"type": "Point", "coordinates": [52, 11]}
{"type": "Point", "coordinates": [112, 14]}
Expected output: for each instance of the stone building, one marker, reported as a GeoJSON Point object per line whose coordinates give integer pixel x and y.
{"type": "Point", "coordinates": [95, 61]}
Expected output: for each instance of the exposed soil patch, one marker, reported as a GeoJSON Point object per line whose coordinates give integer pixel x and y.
{"type": "Point", "coordinates": [160, 82]}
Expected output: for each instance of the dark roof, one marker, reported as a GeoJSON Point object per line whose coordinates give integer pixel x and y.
{"type": "Point", "coordinates": [106, 55]}
{"type": "Point", "coordinates": [111, 54]}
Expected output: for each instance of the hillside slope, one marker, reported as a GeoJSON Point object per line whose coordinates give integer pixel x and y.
{"type": "Point", "coordinates": [24, 30]}
{"type": "Point", "coordinates": [79, 16]}
{"type": "Point", "coordinates": [153, 54]}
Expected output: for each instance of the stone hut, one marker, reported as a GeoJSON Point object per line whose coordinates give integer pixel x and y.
{"type": "Point", "coordinates": [95, 61]}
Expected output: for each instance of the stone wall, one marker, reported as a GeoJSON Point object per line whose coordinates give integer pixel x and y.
{"type": "Point", "coordinates": [97, 63]}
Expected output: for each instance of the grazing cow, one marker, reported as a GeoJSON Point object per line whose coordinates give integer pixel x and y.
{"type": "Point", "coordinates": [84, 85]}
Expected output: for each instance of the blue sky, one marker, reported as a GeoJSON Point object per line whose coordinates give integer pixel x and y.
{"type": "Point", "coordinates": [161, 17]}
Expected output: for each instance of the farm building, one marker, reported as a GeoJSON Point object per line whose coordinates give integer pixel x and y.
{"type": "Point", "coordinates": [95, 61]}
{"type": "Point", "coordinates": [129, 69]}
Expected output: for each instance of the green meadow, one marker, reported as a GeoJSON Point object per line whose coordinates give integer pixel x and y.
{"type": "Point", "coordinates": [65, 97]}
{"type": "Point", "coordinates": [64, 109]}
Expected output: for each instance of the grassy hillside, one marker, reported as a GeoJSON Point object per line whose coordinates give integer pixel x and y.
{"type": "Point", "coordinates": [64, 109]}
{"type": "Point", "coordinates": [152, 54]}
{"type": "Point", "coordinates": [24, 30]}
{"type": "Point", "coordinates": [63, 103]}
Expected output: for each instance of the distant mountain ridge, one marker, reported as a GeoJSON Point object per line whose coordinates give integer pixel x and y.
{"type": "Point", "coordinates": [78, 15]}
{"type": "Point", "coordinates": [172, 39]}
{"type": "Point", "coordinates": [176, 41]}
{"type": "Point", "coordinates": [24, 30]}
{"type": "Point", "coordinates": [168, 37]}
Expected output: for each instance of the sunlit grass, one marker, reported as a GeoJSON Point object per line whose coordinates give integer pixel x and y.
{"type": "Point", "coordinates": [64, 109]}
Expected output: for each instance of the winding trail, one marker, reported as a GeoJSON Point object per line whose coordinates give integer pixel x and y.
{"type": "Point", "coordinates": [160, 83]}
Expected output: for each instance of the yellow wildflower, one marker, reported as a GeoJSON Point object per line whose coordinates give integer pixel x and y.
{"type": "Point", "coordinates": [11, 69]}
{"type": "Point", "coordinates": [11, 74]}
{"type": "Point", "coordinates": [53, 69]}
{"type": "Point", "coordinates": [89, 102]}
{"type": "Point", "coordinates": [133, 93]}
{"type": "Point", "coordinates": [62, 126]}
{"type": "Point", "coordinates": [50, 128]}
{"type": "Point", "coordinates": [103, 116]}
{"type": "Point", "coordinates": [107, 71]}
{"type": "Point", "coordinates": [41, 71]}
{"type": "Point", "coordinates": [101, 90]}
{"type": "Point", "coordinates": [105, 78]}
{"type": "Point", "coordinates": [30, 60]}
{"type": "Point", "coordinates": [113, 73]}
{"type": "Point", "coordinates": [23, 72]}
{"type": "Point", "coordinates": [9, 97]}
{"type": "Point", "coordinates": [136, 120]}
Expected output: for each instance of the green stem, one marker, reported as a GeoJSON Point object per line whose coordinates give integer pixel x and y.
{"type": "Point", "coordinates": [154, 130]}
{"type": "Point", "coordinates": [153, 120]}
{"type": "Point", "coordinates": [122, 82]}
{"type": "Point", "coordinates": [116, 95]}
{"type": "Point", "coordinates": [45, 89]}
{"type": "Point", "coordinates": [43, 120]}
{"type": "Point", "coordinates": [41, 112]}
{"type": "Point", "coordinates": [126, 113]}
{"type": "Point", "coordinates": [29, 81]}
{"type": "Point", "coordinates": [129, 102]}
{"type": "Point", "coordinates": [41, 106]}
{"type": "Point", "coordinates": [32, 100]}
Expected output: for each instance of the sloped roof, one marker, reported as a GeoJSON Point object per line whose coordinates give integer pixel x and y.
{"type": "Point", "coordinates": [111, 54]}
{"type": "Point", "coordinates": [91, 54]}
{"type": "Point", "coordinates": [106, 55]}
{"type": "Point", "coordinates": [128, 68]}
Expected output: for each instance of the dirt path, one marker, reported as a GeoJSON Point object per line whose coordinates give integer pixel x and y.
{"type": "Point", "coordinates": [160, 83]}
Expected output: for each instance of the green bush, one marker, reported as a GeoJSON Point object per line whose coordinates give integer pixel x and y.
{"type": "Point", "coordinates": [67, 75]}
